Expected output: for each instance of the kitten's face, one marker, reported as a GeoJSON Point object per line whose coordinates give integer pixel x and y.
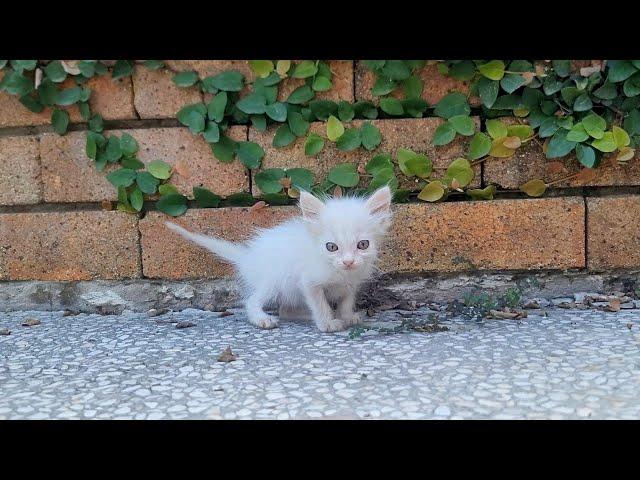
{"type": "Point", "coordinates": [348, 231]}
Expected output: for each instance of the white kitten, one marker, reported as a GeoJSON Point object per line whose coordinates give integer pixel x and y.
{"type": "Point", "coordinates": [307, 264]}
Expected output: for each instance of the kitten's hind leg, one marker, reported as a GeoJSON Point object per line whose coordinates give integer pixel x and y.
{"type": "Point", "coordinates": [255, 311]}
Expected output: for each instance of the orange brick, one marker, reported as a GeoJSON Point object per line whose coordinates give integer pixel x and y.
{"type": "Point", "coordinates": [414, 134]}
{"type": "Point", "coordinates": [19, 171]}
{"type": "Point", "coordinates": [113, 99]}
{"type": "Point", "coordinates": [156, 96]}
{"type": "Point", "coordinates": [68, 246]}
{"type": "Point", "coordinates": [613, 232]}
{"type": "Point", "coordinates": [436, 85]}
{"type": "Point", "coordinates": [165, 254]}
{"type": "Point", "coordinates": [69, 176]}
{"type": "Point", "coordinates": [488, 235]}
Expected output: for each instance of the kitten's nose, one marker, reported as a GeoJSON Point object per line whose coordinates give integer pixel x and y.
{"type": "Point", "coordinates": [348, 262]}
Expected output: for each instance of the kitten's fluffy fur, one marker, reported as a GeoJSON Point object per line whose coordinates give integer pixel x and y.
{"type": "Point", "coordinates": [291, 266]}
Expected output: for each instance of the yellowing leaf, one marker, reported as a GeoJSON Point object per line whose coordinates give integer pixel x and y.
{"type": "Point", "coordinates": [432, 192]}
{"type": "Point", "coordinates": [625, 154]}
{"type": "Point", "coordinates": [499, 150]}
{"type": "Point", "coordinates": [496, 129]}
{"type": "Point", "coordinates": [335, 129]}
{"type": "Point", "coordinates": [282, 67]}
{"type": "Point", "coordinates": [534, 188]}
{"type": "Point", "coordinates": [621, 137]}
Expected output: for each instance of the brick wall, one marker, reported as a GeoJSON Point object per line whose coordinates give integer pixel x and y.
{"type": "Point", "coordinates": [52, 226]}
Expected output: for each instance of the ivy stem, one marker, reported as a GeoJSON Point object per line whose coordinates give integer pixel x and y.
{"type": "Point", "coordinates": [568, 177]}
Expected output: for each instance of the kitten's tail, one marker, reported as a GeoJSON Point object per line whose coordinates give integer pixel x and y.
{"type": "Point", "coordinates": [229, 251]}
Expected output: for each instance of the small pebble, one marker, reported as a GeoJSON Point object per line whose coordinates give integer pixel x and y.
{"type": "Point", "coordinates": [185, 324]}
{"type": "Point", "coordinates": [154, 312]}
{"type": "Point", "coordinates": [5, 331]}
{"type": "Point", "coordinates": [30, 322]}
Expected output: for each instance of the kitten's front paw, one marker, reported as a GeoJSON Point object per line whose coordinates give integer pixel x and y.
{"type": "Point", "coordinates": [333, 325]}
{"type": "Point", "coordinates": [352, 319]}
{"type": "Point", "coordinates": [266, 322]}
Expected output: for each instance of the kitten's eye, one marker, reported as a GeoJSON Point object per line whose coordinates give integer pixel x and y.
{"type": "Point", "coordinates": [363, 244]}
{"type": "Point", "coordinates": [332, 247]}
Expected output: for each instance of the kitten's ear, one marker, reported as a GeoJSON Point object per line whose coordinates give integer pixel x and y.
{"type": "Point", "coordinates": [310, 205]}
{"type": "Point", "coordinates": [380, 201]}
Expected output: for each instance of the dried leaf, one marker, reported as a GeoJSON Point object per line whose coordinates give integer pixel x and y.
{"type": "Point", "coordinates": [107, 205]}
{"type": "Point", "coordinates": [503, 315]}
{"type": "Point", "coordinates": [512, 142]}
{"type": "Point", "coordinates": [30, 322]}
{"type": "Point", "coordinates": [38, 77]}
{"type": "Point", "coordinates": [337, 192]}
{"type": "Point", "coordinates": [528, 77]}
{"type": "Point", "coordinates": [500, 150]}
{"type": "Point", "coordinates": [293, 193]}
{"type": "Point", "coordinates": [587, 71]}
{"type": "Point", "coordinates": [553, 168]}
{"type": "Point", "coordinates": [185, 324]}
{"type": "Point", "coordinates": [227, 356]}
{"type": "Point", "coordinates": [226, 313]}
{"type": "Point", "coordinates": [455, 185]}
{"type": "Point", "coordinates": [5, 331]}
{"type": "Point", "coordinates": [586, 175]}
{"type": "Point", "coordinates": [182, 168]}
{"type": "Point", "coordinates": [625, 154]}
{"type": "Point", "coordinates": [285, 182]}
{"type": "Point", "coordinates": [614, 305]}
{"type": "Point", "coordinates": [70, 66]}
{"type": "Point", "coordinates": [258, 206]}
{"type": "Point", "coordinates": [534, 188]}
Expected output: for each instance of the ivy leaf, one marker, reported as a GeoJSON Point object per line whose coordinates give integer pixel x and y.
{"type": "Point", "coordinates": [396, 70]}
{"type": "Point", "coordinates": [132, 163]}
{"type": "Point", "coordinates": [85, 112]}
{"type": "Point", "coordinates": [91, 148]}
{"type": "Point", "coordinates": [282, 67]}
{"type": "Point", "coordinates": [620, 70]}
{"type": "Point", "coordinates": [301, 178]}
{"type": "Point", "coordinates": [370, 135]}
{"type": "Point", "coordinates": [577, 133]}
{"type": "Point", "coordinates": [159, 169]}
{"type": "Point", "coordinates": [153, 64]}
{"type": "Point", "coordinates": [511, 82]}
{"type": "Point", "coordinates": [493, 70]}
{"type": "Point", "coordinates": [413, 87]}
{"type": "Point", "coordinates": [586, 155]}
{"type": "Point", "coordinates": [451, 105]}
{"type": "Point", "coordinates": [211, 133]}
{"type": "Point", "coordinates": [122, 68]}
{"type": "Point", "coordinates": [496, 129]}
{"type": "Point", "coordinates": [136, 199]}
{"type": "Point", "coordinates": [335, 129]}
{"type": "Point", "coordinates": [167, 188]}
{"type": "Point", "coordinates": [128, 144]}
{"type": "Point", "coordinates": [345, 111]}
{"type": "Point", "coordinates": [323, 109]}
{"type": "Point", "coordinates": [485, 193]}
{"type": "Point", "coordinates": [559, 146]}
{"type": "Point", "coordinates": [301, 95]}
{"type": "Point", "coordinates": [444, 134]}
{"type": "Point", "coordinates": [521, 131]}
{"type": "Point", "coordinates": [185, 79]}
{"type": "Point", "coordinates": [605, 144]}
{"type": "Point", "coordinates": [305, 69]}
{"type": "Point", "coordinates": [96, 123]}
{"type": "Point", "coordinates": [297, 124]}
{"type": "Point", "coordinates": [122, 177]}
{"type": "Point", "coordinates": [259, 122]}
{"type": "Point", "coordinates": [488, 90]}
{"type": "Point", "coordinates": [15, 83]}
{"type": "Point", "coordinates": [205, 198]}
{"type": "Point", "coordinates": [349, 140]}
{"type": "Point", "coordinates": [224, 149]}
{"type": "Point", "coordinates": [414, 106]}
{"type": "Point", "coordinates": [321, 84]}
{"type": "Point", "coordinates": [173, 204]}
{"type": "Point", "coordinates": [594, 125]}
{"type": "Point", "coordinates": [250, 154]}
{"type": "Point", "coordinates": [463, 70]}
{"type": "Point", "coordinates": [479, 147]}
{"type": "Point", "coordinates": [147, 183]}
{"type": "Point", "coordinates": [621, 137]}
{"type": "Point", "coordinates": [20, 65]}
{"type": "Point", "coordinates": [344, 174]}
{"type": "Point", "coordinates": [59, 121]}
{"type": "Point", "coordinates": [313, 145]}
{"type": "Point", "coordinates": [391, 106]}
{"type": "Point", "coordinates": [582, 103]}
{"type": "Point", "coordinates": [379, 162]}
{"type": "Point", "coordinates": [548, 127]}
{"type": "Point", "coordinates": [374, 64]}
{"type": "Point", "coordinates": [268, 180]}
{"type": "Point", "coordinates": [365, 109]}
{"type": "Point", "coordinates": [55, 72]}
{"type": "Point", "coordinates": [230, 81]}
{"type": "Point", "coordinates": [607, 91]}
{"type": "Point", "coordinates": [277, 111]}
{"type": "Point", "coordinates": [216, 107]}
{"type": "Point", "coordinates": [283, 137]}
{"type": "Point", "coordinates": [460, 169]}
{"type": "Point", "coordinates": [262, 67]}
{"type": "Point", "coordinates": [32, 104]}
{"type": "Point", "coordinates": [383, 86]}
{"type": "Point", "coordinates": [432, 192]}
{"type": "Point", "coordinates": [253, 103]}
{"type": "Point", "coordinates": [463, 124]}
{"type": "Point", "coordinates": [419, 165]}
